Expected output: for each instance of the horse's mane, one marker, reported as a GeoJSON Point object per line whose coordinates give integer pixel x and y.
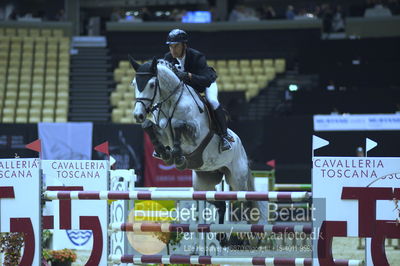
{"type": "Point", "coordinates": [170, 79]}
{"type": "Point", "coordinates": [165, 63]}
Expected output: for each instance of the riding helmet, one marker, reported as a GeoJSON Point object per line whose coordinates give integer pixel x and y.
{"type": "Point", "coordinates": [177, 36]}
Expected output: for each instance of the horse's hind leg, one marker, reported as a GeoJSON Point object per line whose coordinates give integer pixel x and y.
{"type": "Point", "coordinates": [240, 179]}
{"type": "Point", "coordinates": [206, 181]}
{"type": "Point", "coordinates": [149, 128]}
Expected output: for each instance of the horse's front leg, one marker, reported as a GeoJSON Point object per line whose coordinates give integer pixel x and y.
{"type": "Point", "coordinates": [150, 128]}
{"type": "Point", "coordinates": [179, 128]}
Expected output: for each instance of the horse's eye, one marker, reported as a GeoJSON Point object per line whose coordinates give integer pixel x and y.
{"type": "Point", "coordinates": [151, 85]}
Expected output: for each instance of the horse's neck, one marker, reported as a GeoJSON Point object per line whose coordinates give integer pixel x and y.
{"type": "Point", "coordinates": [168, 101]}
{"type": "Point", "coordinates": [173, 89]}
{"type": "Point", "coordinates": [167, 79]}
{"type": "Point", "coordinates": [169, 91]}
{"type": "Point", "coordinates": [168, 97]}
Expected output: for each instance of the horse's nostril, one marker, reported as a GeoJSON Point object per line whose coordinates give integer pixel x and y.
{"type": "Point", "coordinates": [139, 118]}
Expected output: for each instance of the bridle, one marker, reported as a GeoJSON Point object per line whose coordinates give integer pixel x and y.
{"type": "Point", "coordinates": [151, 100]}
{"type": "Point", "coordinates": [153, 107]}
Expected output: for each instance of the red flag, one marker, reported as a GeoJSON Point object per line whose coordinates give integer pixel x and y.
{"type": "Point", "coordinates": [271, 163]}
{"type": "Point", "coordinates": [103, 148]}
{"type": "Point", "coordinates": [35, 145]}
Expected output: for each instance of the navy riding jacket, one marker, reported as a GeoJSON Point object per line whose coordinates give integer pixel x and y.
{"type": "Point", "coordinates": [196, 64]}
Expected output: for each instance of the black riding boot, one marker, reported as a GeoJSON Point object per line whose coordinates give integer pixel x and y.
{"type": "Point", "coordinates": [221, 120]}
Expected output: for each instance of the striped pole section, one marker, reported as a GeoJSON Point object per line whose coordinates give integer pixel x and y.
{"type": "Point", "coordinates": [210, 228]}
{"type": "Point", "coordinates": [293, 205]}
{"type": "Point", "coordinates": [186, 259]}
{"type": "Point", "coordinates": [292, 187]}
{"type": "Point", "coordinates": [340, 262]}
{"type": "Point", "coordinates": [294, 196]}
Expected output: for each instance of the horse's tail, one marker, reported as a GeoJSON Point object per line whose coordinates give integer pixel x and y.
{"type": "Point", "coordinates": [262, 206]}
{"type": "Point", "coordinates": [250, 177]}
{"type": "Point", "coordinates": [250, 180]}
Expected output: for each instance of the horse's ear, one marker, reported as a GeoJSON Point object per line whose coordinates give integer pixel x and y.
{"type": "Point", "coordinates": [134, 64]}
{"type": "Point", "coordinates": [154, 65]}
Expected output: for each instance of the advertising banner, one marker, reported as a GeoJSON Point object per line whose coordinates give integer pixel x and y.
{"type": "Point", "coordinates": [88, 175]}
{"type": "Point", "coordinates": [19, 210]}
{"type": "Point", "coordinates": [157, 174]}
{"type": "Point", "coordinates": [361, 122]}
{"type": "Point", "coordinates": [358, 201]}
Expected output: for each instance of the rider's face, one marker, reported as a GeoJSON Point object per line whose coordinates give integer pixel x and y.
{"type": "Point", "coordinates": [177, 50]}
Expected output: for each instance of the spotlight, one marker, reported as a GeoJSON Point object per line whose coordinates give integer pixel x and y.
{"type": "Point", "coordinates": [293, 87]}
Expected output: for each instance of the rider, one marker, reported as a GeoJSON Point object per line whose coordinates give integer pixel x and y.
{"type": "Point", "coordinates": [192, 69]}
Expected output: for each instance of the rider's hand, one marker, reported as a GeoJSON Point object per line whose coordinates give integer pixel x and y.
{"type": "Point", "coordinates": [184, 76]}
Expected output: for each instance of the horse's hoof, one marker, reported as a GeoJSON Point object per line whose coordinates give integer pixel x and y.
{"type": "Point", "coordinates": [180, 163]}
{"type": "Point", "coordinates": [255, 241]}
{"type": "Point", "coordinates": [235, 241]}
{"type": "Point", "coordinates": [167, 157]}
{"type": "Point", "coordinates": [169, 161]}
{"type": "Point", "coordinates": [222, 239]}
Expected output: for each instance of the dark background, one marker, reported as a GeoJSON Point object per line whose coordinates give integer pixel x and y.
{"type": "Point", "coordinates": [370, 86]}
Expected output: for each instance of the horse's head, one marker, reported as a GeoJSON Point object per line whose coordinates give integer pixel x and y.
{"type": "Point", "coordinates": [153, 78]}
{"type": "Point", "coordinates": [145, 87]}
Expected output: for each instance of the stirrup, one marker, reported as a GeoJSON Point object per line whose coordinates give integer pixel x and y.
{"type": "Point", "coordinates": [224, 145]}
{"type": "Point", "coordinates": [228, 137]}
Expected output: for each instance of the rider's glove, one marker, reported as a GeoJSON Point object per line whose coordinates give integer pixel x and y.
{"type": "Point", "coordinates": [184, 76]}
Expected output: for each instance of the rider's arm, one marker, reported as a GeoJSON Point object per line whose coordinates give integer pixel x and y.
{"type": "Point", "coordinates": [204, 75]}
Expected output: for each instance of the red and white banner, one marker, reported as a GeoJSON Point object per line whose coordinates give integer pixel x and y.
{"type": "Point", "coordinates": [157, 174]}
{"type": "Point", "coordinates": [76, 175]}
{"type": "Point", "coordinates": [354, 197]}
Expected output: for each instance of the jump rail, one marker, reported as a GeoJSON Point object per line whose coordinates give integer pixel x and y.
{"type": "Point", "coordinates": [292, 187]}
{"type": "Point", "coordinates": [208, 228]}
{"type": "Point", "coordinates": [181, 195]}
{"type": "Point", "coordinates": [209, 260]}
{"type": "Point", "coordinates": [223, 260]}
{"type": "Point", "coordinates": [296, 205]}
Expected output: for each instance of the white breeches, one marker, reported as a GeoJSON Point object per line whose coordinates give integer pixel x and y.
{"type": "Point", "coordinates": [212, 95]}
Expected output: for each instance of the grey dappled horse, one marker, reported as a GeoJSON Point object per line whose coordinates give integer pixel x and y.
{"type": "Point", "coordinates": [178, 125]}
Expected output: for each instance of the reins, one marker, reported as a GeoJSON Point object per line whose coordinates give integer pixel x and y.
{"type": "Point", "coordinates": [158, 106]}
